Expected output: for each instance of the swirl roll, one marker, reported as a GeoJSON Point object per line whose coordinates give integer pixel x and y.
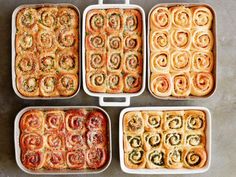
{"type": "Point", "coordinates": [54, 121]}
{"type": "Point", "coordinates": [48, 18]}
{"type": "Point", "coordinates": [96, 81]}
{"type": "Point", "coordinates": [96, 138]}
{"type": "Point", "coordinates": [133, 123]}
{"type": "Point", "coordinates": [115, 83]}
{"type": "Point", "coordinates": [196, 139]}
{"type": "Point", "coordinates": [76, 159]}
{"type": "Point", "coordinates": [55, 141]}
{"type": "Point", "coordinates": [95, 60]}
{"type": "Point", "coordinates": [114, 61]}
{"type": "Point", "coordinates": [33, 159]}
{"type": "Point", "coordinates": [96, 41]}
{"type": "Point", "coordinates": [195, 120]}
{"type": "Point", "coordinates": [67, 84]}
{"type": "Point", "coordinates": [174, 158]}
{"type": "Point", "coordinates": [132, 83]}
{"type": "Point", "coordinates": [25, 42]}
{"type": "Point", "coordinates": [67, 18]}
{"type": "Point", "coordinates": [96, 120]}
{"type": "Point", "coordinates": [180, 39]}
{"type": "Point", "coordinates": [75, 141]}
{"type": "Point", "coordinates": [28, 85]}
{"type": "Point", "coordinates": [160, 61]}
{"type": "Point", "coordinates": [155, 158]}
{"type": "Point", "coordinates": [160, 18]}
{"type": "Point", "coordinates": [26, 64]}
{"type": "Point", "coordinates": [180, 61]}
{"type": "Point", "coordinates": [96, 21]}
{"type": "Point", "coordinates": [47, 62]}
{"type": "Point", "coordinates": [55, 160]}
{"type": "Point", "coordinates": [195, 158]}
{"type": "Point", "coordinates": [202, 17]}
{"type": "Point", "coordinates": [46, 41]}
{"type": "Point", "coordinates": [48, 85]}
{"type": "Point", "coordinates": [152, 120]}
{"type": "Point", "coordinates": [132, 141]}
{"type": "Point", "coordinates": [115, 22]}
{"type": "Point", "coordinates": [173, 120]}
{"type": "Point", "coordinates": [133, 62]}
{"type": "Point", "coordinates": [181, 17]}
{"type": "Point", "coordinates": [96, 157]}
{"type": "Point", "coordinates": [202, 40]}
{"type": "Point", "coordinates": [181, 84]}
{"type": "Point", "coordinates": [135, 159]}
{"type": "Point", "coordinates": [173, 138]}
{"type": "Point", "coordinates": [67, 38]}
{"type": "Point", "coordinates": [152, 140]}
{"type": "Point", "coordinates": [115, 42]}
{"type": "Point", "coordinates": [132, 21]}
{"type": "Point", "coordinates": [31, 141]}
{"type": "Point", "coordinates": [202, 61]}
{"type": "Point", "coordinates": [159, 40]}
{"type": "Point", "coordinates": [132, 43]}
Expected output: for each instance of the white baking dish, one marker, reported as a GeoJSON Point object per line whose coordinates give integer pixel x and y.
{"type": "Point", "coordinates": [125, 96]}
{"type": "Point", "coordinates": [65, 171]}
{"type": "Point", "coordinates": [215, 51]}
{"type": "Point", "coordinates": [13, 50]}
{"type": "Point", "coordinates": [166, 171]}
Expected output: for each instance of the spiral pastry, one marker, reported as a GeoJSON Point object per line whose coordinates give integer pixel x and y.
{"type": "Point", "coordinates": [115, 42]}
{"type": "Point", "coordinates": [96, 157]}
{"type": "Point", "coordinates": [132, 21]}
{"type": "Point", "coordinates": [31, 141]}
{"type": "Point", "coordinates": [152, 120]}
{"type": "Point", "coordinates": [115, 83]}
{"type": "Point", "coordinates": [195, 120]}
{"type": "Point", "coordinates": [96, 81]}
{"type": "Point", "coordinates": [67, 84]}
{"type": "Point", "coordinates": [152, 140]}
{"type": "Point", "coordinates": [96, 21]}
{"type": "Point", "coordinates": [54, 121]}
{"type": "Point", "coordinates": [160, 18]}
{"type": "Point", "coordinates": [55, 141]}
{"type": "Point", "coordinates": [67, 38]}
{"type": "Point", "coordinates": [133, 123]}
{"type": "Point", "coordinates": [96, 120]}
{"type": "Point", "coordinates": [159, 40]}
{"type": "Point", "coordinates": [76, 159]}
{"type": "Point", "coordinates": [202, 40]}
{"type": "Point", "coordinates": [48, 17]}
{"type": "Point", "coordinates": [96, 41]}
{"type": "Point", "coordinates": [195, 158]}
{"type": "Point", "coordinates": [133, 62]}
{"type": "Point", "coordinates": [155, 158]}
{"type": "Point", "coordinates": [180, 61]}
{"type": "Point", "coordinates": [180, 39]}
{"type": "Point", "coordinates": [135, 158]}
{"type": "Point", "coordinates": [173, 139]}
{"type": "Point", "coordinates": [202, 61]}
{"type": "Point", "coordinates": [132, 83]}
{"type": "Point", "coordinates": [174, 158]}
{"type": "Point", "coordinates": [32, 159]}
{"type": "Point", "coordinates": [181, 84]}
{"type": "Point", "coordinates": [48, 85]}
{"type": "Point", "coordinates": [195, 139]}
{"type": "Point", "coordinates": [173, 120]}
{"type": "Point", "coordinates": [160, 61]}
{"type": "Point", "coordinates": [55, 160]}
{"type": "Point", "coordinates": [96, 138]}
{"type": "Point", "coordinates": [132, 43]}
{"type": "Point", "coordinates": [32, 121]}
{"type": "Point", "coordinates": [28, 85]}
{"type": "Point", "coordinates": [67, 18]}
{"type": "Point", "coordinates": [95, 60]}
{"type": "Point", "coordinates": [26, 64]}
{"type": "Point", "coordinates": [46, 41]}
{"type": "Point", "coordinates": [161, 84]}
{"type": "Point", "coordinates": [114, 61]}
{"type": "Point", "coordinates": [114, 22]}
{"type": "Point", "coordinates": [202, 83]}
{"type": "Point", "coordinates": [132, 141]}
{"type": "Point", "coordinates": [25, 42]}
{"type": "Point", "coordinates": [202, 17]}
{"type": "Point", "coordinates": [67, 61]}
{"type": "Point", "coordinates": [75, 141]}
{"type": "Point", "coordinates": [47, 62]}
{"type": "Point", "coordinates": [181, 17]}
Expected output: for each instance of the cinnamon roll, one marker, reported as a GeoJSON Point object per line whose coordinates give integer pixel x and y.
{"type": "Point", "coordinates": [96, 21]}
{"type": "Point", "coordinates": [25, 42]}
{"type": "Point", "coordinates": [67, 38]}
{"type": "Point", "coordinates": [181, 17]}
{"type": "Point", "coordinates": [96, 81]}
{"type": "Point", "coordinates": [46, 41]}
{"type": "Point", "coordinates": [202, 83]}
{"type": "Point", "coordinates": [55, 160]}
{"type": "Point", "coordinates": [76, 159]}
{"type": "Point", "coordinates": [133, 62]}
{"type": "Point", "coordinates": [67, 18]}
{"type": "Point", "coordinates": [54, 121]}
{"type": "Point", "coordinates": [115, 21]}
{"type": "Point", "coordinates": [48, 17]}
{"type": "Point", "coordinates": [174, 158]}
{"type": "Point", "coordinates": [76, 141]}
{"type": "Point", "coordinates": [202, 61]}
{"type": "Point", "coordinates": [48, 85]}
{"type": "Point", "coordinates": [55, 141]}
{"type": "Point", "coordinates": [159, 40]}
{"type": "Point", "coordinates": [33, 159]}
{"type": "Point", "coordinates": [31, 141]}
{"type": "Point", "coordinates": [96, 41]}
{"type": "Point", "coordinates": [132, 21]}
{"type": "Point", "coordinates": [195, 120]}
{"type": "Point", "coordinates": [202, 17]}
{"type": "Point", "coordinates": [160, 18]}
{"type": "Point", "coordinates": [133, 43]}
{"type": "Point", "coordinates": [152, 140]}
{"type": "Point", "coordinates": [195, 158]}
{"type": "Point", "coordinates": [28, 85]}
{"type": "Point", "coordinates": [115, 83]}
{"type": "Point", "coordinates": [132, 83]}
{"type": "Point", "coordinates": [132, 141]}
{"type": "Point", "coordinates": [26, 64]}
{"type": "Point", "coordinates": [96, 157]}
{"type": "Point", "coordinates": [196, 139]}
{"type": "Point", "coordinates": [173, 120]}
{"type": "Point", "coordinates": [155, 158]}
{"type": "Point", "coordinates": [160, 61]}
{"type": "Point", "coordinates": [96, 120]}
{"type": "Point", "coordinates": [114, 61]}
{"type": "Point", "coordinates": [115, 42]}
{"type": "Point", "coordinates": [133, 123]}
{"type": "Point", "coordinates": [181, 84]}
{"type": "Point", "coordinates": [180, 61]}
{"type": "Point", "coordinates": [67, 84]}
{"type": "Point", "coordinates": [152, 120]}
{"type": "Point", "coordinates": [173, 138]}
{"type": "Point", "coordinates": [180, 39]}
{"type": "Point", "coordinates": [47, 62]}
{"type": "Point", "coordinates": [202, 40]}
{"type": "Point", "coordinates": [135, 159]}
{"type": "Point", "coordinates": [95, 60]}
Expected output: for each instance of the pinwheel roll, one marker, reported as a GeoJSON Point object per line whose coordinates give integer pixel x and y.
{"type": "Point", "coordinates": [132, 141]}
{"type": "Point", "coordinates": [67, 18]}
{"type": "Point", "coordinates": [48, 18]}
{"type": "Point", "coordinates": [115, 42]}
{"type": "Point", "coordinates": [55, 160]}
{"type": "Point", "coordinates": [47, 62]}
{"type": "Point", "coordinates": [96, 120]}
{"type": "Point", "coordinates": [133, 43]}
{"type": "Point", "coordinates": [95, 60]}
{"type": "Point", "coordinates": [181, 84]}
{"type": "Point", "coordinates": [202, 40]}
{"type": "Point", "coordinates": [161, 84]}
{"type": "Point", "coordinates": [115, 21]}
{"type": "Point", "coordinates": [132, 21]}
{"type": "Point", "coordinates": [28, 85]}
{"type": "Point", "coordinates": [160, 19]}
{"type": "Point", "coordinates": [31, 141]}
{"type": "Point", "coordinates": [202, 83]}
{"type": "Point", "coordinates": [75, 141]}
{"type": "Point", "coordinates": [160, 61]}
{"type": "Point", "coordinates": [46, 41]}
{"type": "Point", "coordinates": [32, 121]}
{"type": "Point", "coordinates": [67, 38]}
{"type": "Point", "coordinates": [202, 17]}
{"type": "Point", "coordinates": [152, 120]}
{"type": "Point", "coordinates": [181, 17]}
{"type": "Point", "coordinates": [33, 159]}
{"type": "Point", "coordinates": [159, 40]}
{"type": "Point", "coordinates": [26, 20]}
{"type": "Point", "coordinates": [67, 61]}
{"type": "Point", "coordinates": [173, 120]}
{"type": "Point", "coordinates": [96, 81]}
{"type": "Point", "coordinates": [194, 120]}
{"type": "Point", "coordinates": [133, 123]}
{"type": "Point", "coordinates": [114, 61]}
{"type": "Point", "coordinates": [48, 85]}
{"type": "Point", "coordinates": [96, 41]}
{"type": "Point", "coordinates": [173, 138]}
{"type": "Point", "coordinates": [174, 158]}
{"type": "Point", "coordinates": [132, 83]}
{"type": "Point", "coordinates": [195, 158]}
{"type": "Point", "coordinates": [96, 21]}
{"type": "Point", "coordinates": [26, 64]}
{"type": "Point", "coordinates": [180, 61]}
{"type": "Point", "coordinates": [55, 141]}
{"type": "Point", "coordinates": [96, 157]}
{"type": "Point", "coordinates": [195, 139]}
{"type": "Point", "coordinates": [152, 140]}
{"type": "Point", "coordinates": [54, 120]}
{"type": "Point", "coordinates": [115, 83]}
{"type": "Point", "coordinates": [25, 42]}
{"type": "Point", "coordinates": [202, 61]}
{"type": "Point", "coordinates": [133, 62]}
{"type": "Point", "coordinates": [96, 138]}
{"type": "Point", "coordinates": [180, 39]}
{"type": "Point", "coordinates": [67, 84]}
{"type": "Point", "coordinates": [76, 159]}
{"type": "Point", "coordinates": [155, 158]}
{"type": "Point", "coordinates": [135, 159]}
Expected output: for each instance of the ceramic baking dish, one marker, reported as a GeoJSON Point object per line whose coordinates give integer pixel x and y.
{"type": "Point", "coordinates": [215, 50]}
{"type": "Point", "coordinates": [115, 97]}
{"type": "Point", "coordinates": [65, 171]}
{"type": "Point", "coordinates": [166, 171]}
{"type": "Point", "coordinates": [13, 50]}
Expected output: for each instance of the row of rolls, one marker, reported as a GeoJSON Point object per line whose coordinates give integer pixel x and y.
{"type": "Point", "coordinates": [169, 139]}
{"type": "Point", "coordinates": [56, 139]}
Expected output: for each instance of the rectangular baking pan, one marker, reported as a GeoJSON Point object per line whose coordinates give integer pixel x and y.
{"type": "Point", "coordinates": [13, 49]}
{"type": "Point", "coordinates": [102, 96]}
{"type": "Point", "coordinates": [64, 171]}
{"type": "Point", "coordinates": [215, 50]}
{"type": "Point", "coordinates": [166, 171]}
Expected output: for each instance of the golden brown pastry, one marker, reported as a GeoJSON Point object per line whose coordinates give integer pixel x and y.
{"type": "Point", "coordinates": [180, 61]}
{"type": "Point", "coordinates": [114, 21]}
{"type": "Point", "coordinates": [67, 18]}
{"type": "Point", "coordinates": [133, 122]}
{"type": "Point", "coordinates": [67, 38]}
{"type": "Point", "coordinates": [173, 138]}
{"type": "Point", "coordinates": [28, 85]}
{"type": "Point", "coordinates": [202, 61]}
{"type": "Point", "coordinates": [152, 120]}
{"type": "Point", "coordinates": [160, 18]}
{"type": "Point", "coordinates": [132, 83]}
{"type": "Point", "coordinates": [48, 85]}
{"type": "Point", "coordinates": [54, 120]}
{"type": "Point", "coordinates": [132, 141]}
{"type": "Point", "coordinates": [202, 17]}
{"type": "Point", "coordinates": [55, 160]}
{"type": "Point", "coordinates": [115, 83]}
{"type": "Point", "coordinates": [181, 84]}
{"type": "Point", "coordinates": [115, 42]}
{"type": "Point", "coordinates": [132, 21]}
{"type": "Point", "coordinates": [195, 139]}
{"type": "Point", "coordinates": [47, 62]}
{"type": "Point", "coordinates": [76, 159]}
{"type": "Point", "coordinates": [174, 158]}
{"type": "Point", "coordinates": [133, 43]}
{"type": "Point", "coordinates": [133, 62]}
{"type": "Point", "coordinates": [202, 40]}
{"type": "Point", "coordinates": [180, 39]}
{"type": "Point", "coordinates": [54, 141]}
{"type": "Point", "coordinates": [181, 17]}
{"type": "Point", "coordinates": [48, 18]}
{"type": "Point", "coordinates": [96, 21]}
{"type": "Point", "coordinates": [160, 61]}
{"type": "Point", "coordinates": [33, 159]}
{"type": "Point", "coordinates": [173, 120]}
{"type": "Point", "coordinates": [96, 81]}
{"type": "Point", "coordinates": [152, 140]}
{"type": "Point", "coordinates": [25, 42]}
{"type": "Point", "coordinates": [96, 41]}
{"type": "Point", "coordinates": [135, 159]}
{"type": "Point", "coordinates": [194, 120]}
{"type": "Point", "coordinates": [114, 61]}
{"type": "Point", "coordinates": [67, 84]}
{"type": "Point", "coordinates": [26, 64]}
{"type": "Point", "coordinates": [155, 158]}
{"type": "Point", "coordinates": [31, 141]}
{"type": "Point", "coordinates": [46, 41]}
{"type": "Point", "coordinates": [159, 40]}
{"type": "Point", "coordinates": [95, 60]}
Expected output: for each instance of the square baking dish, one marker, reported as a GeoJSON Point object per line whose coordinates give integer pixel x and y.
{"type": "Point", "coordinates": [166, 171]}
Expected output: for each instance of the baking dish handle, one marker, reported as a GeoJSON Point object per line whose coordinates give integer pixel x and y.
{"type": "Point", "coordinates": [101, 2]}
{"type": "Point", "coordinates": [102, 102]}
